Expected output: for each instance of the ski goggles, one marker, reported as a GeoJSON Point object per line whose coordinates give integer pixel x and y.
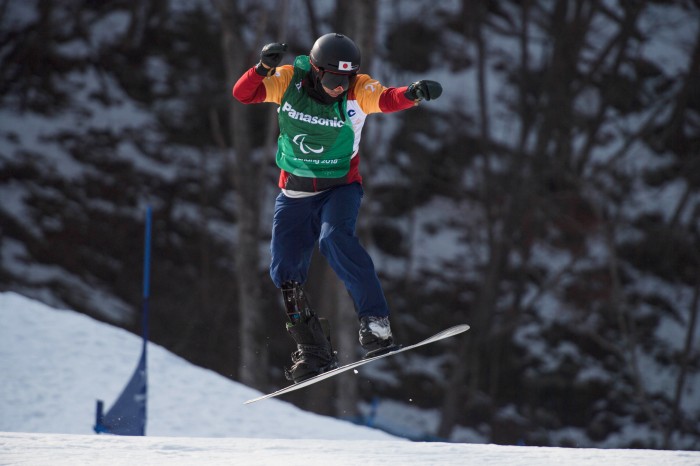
{"type": "Point", "coordinates": [334, 79]}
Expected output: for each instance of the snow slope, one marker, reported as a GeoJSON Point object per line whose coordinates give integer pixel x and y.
{"type": "Point", "coordinates": [60, 362]}
{"type": "Point", "coordinates": [55, 364]}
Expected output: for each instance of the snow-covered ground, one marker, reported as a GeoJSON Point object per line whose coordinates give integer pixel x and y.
{"type": "Point", "coordinates": [55, 364]}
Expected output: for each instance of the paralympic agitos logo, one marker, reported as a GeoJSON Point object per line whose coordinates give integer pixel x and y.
{"type": "Point", "coordinates": [300, 140]}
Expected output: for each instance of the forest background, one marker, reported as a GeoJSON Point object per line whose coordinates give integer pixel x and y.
{"type": "Point", "coordinates": [550, 199]}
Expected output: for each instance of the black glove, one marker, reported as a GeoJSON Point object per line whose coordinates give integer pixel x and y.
{"type": "Point", "coordinates": [424, 90]}
{"type": "Point", "coordinates": [270, 56]}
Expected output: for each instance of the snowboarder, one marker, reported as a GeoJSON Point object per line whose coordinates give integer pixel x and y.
{"type": "Point", "coordinates": [323, 103]}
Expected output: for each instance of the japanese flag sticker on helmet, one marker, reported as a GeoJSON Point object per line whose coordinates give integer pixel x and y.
{"type": "Point", "coordinates": [344, 66]}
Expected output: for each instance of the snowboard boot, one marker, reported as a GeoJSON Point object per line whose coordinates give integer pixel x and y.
{"type": "Point", "coordinates": [375, 336]}
{"type": "Point", "coordinates": [314, 354]}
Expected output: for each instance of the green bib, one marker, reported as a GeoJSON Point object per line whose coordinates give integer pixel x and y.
{"type": "Point", "coordinates": [315, 140]}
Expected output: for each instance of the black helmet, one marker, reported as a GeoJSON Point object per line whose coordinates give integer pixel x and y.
{"type": "Point", "coordinates": [337, 58]}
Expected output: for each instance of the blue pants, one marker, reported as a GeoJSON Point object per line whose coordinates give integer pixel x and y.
{"type": "Point", "coordinates": [329, 218]}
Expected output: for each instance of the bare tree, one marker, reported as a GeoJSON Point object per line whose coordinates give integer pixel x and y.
{"type": "Point", "coordinates": [246, 176]}
{"type": "Point", "coordinates": [515, 196]}
{"type": "Point", "coordinates": [474, 13]}
{"type": "Point", "coordinates": [680, 115]}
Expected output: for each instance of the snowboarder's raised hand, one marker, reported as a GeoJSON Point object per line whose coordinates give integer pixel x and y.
{"type": "Point", "coordinates": [270, 56]}
{"type": "Point", "coordinates": [424, 89]}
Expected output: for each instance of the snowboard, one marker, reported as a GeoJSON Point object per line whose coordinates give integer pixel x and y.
{"type": "Point", "coordinates": [452, 331]}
